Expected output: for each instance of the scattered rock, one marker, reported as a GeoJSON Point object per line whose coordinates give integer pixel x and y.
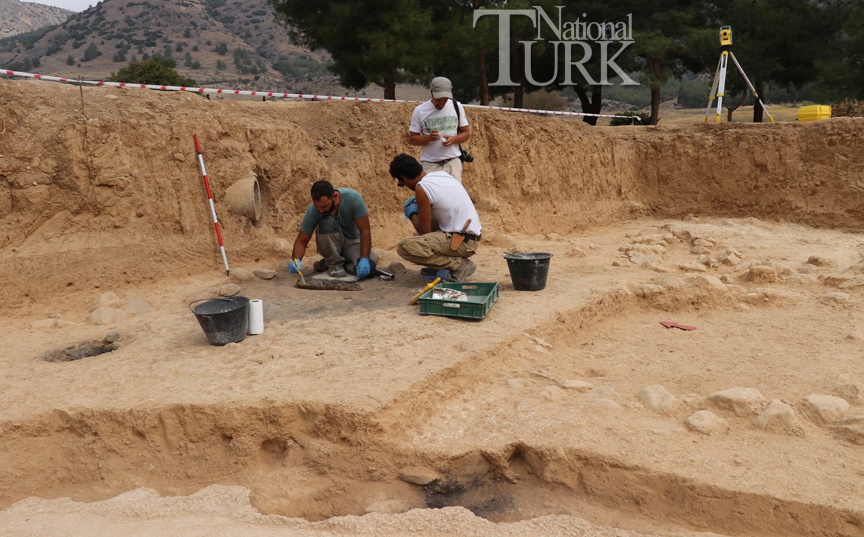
{"type": "Point", "coordinates": [490, 204]}
{"type": "Point", "coordinates": [265, 274]}
{"type": "Point", "coordinates": [469, 468]}
{"type": "Point", "coordinates": [730, 260]}
{"type": "Point", "coordinates": [646, 290]}
{"type": "Point", "coordinates": [608, 404]}
{"type": "Point", "coordinates": [552, 393]}
{"type": "Point", "coordinates": [658, 399]}
{"type": "Point", "coordinates": [110, 300]}
{"type": "Point", "coordinates": [825, 408]}
{"type": "Point", "coordinates": [699, 250]}
{"type": "Point", "coordinates": [106, 315]}
{"type": "Point", "coordinates": [576, 253]}
{"type": "Point", "coordinates": [111, 337]}
{"type": "Point", "coordinates": [704, 281]}
{"type": "Point", "coordinates": [644, 259]}
{"type": "Point", "coordinates": [778, 417]}
{"type": "Point", "coordinates": [229, 289]}
{"type": "Point", "coordinates": [671, 281]}
{"type": "Point", "coordinates": [692, 267]}
{"type": "Point", "coordinates": [761, 273]}
{"type": "Point", "coordinates": [855, 335]}
{"type": "Point", "coordinates": [851, 429]}
{"type": "Point", "coordinates": [605, 391]}
{"type": "Point", "coordinates": [706, 260]}
{"type": "Point", "coordinates": [418, 475]}
{"type": "Point", "coordinates": [706, 422]}
{"type": "Point", "coordinates": [820, 261]}
{"type": "Point", "coordinates": [739, 401]}
{"type": "Point", "coordinates": [396, 268]}
{"type": "Point", "coordinates": [578, 385]}
{"type": "Point", "coordinates": [240, 275]}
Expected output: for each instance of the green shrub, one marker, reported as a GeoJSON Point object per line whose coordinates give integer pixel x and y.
{"type": "Point", "coordinates": [156, 70]}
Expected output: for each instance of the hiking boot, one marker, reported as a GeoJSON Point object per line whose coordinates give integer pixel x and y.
{"type": "Point", "coordinates": [320, 265]}
{"type": "Point", "coordinates": [337, 271]}
{"type": "Point", "coordinates": [466, 269]}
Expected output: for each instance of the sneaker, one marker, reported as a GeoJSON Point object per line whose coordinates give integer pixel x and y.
{"type": "Point", "coordinates": [337, 271]}
{"type": "Point", "coordinates": [444, 274]}
{"type": "Point", "coordinates": [466, 269]}
{"type": "Point", "coordinates": [429, 273]}
{"type": "Point", "coordinates": [320, 265]}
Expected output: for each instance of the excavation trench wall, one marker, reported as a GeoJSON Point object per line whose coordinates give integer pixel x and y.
{"type": "Point", "coordinates": [113, 168]}
{"type": "Point", "coordinates": [319, 463]}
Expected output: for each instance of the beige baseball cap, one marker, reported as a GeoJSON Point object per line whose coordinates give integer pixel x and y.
{"type": "Point", "coordinates": [441, 87]}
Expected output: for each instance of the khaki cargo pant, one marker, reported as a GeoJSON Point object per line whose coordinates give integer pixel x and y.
{"type": "Point", "coordinates": [335, 248]}
{"type": "Point", "coordinates": [452, 166]}
{"type": "Point", "coordinates": [433, 250]}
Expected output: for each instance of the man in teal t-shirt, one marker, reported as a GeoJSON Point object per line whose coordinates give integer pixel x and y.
{"type": "Point", "coordinates": [343, 235]}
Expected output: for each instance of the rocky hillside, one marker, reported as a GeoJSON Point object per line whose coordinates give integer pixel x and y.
{"type": "Point", "coordinates": [18, 17]}
{"type": "Point", "coordinates": [229, 43]}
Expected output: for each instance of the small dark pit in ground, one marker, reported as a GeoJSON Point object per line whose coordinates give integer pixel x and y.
{"type": "Point", "coordinates": [79, 351]}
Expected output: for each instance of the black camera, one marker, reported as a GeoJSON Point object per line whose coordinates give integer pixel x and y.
{"type": "Point", "coordinates": [466, 156]}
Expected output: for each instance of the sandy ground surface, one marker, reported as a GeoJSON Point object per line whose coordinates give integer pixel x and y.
{"type": "Point", "coordinates": [566, 411]}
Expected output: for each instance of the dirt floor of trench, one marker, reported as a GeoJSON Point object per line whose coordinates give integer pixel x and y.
{"type": "Point", "coordinates": [358, 404]}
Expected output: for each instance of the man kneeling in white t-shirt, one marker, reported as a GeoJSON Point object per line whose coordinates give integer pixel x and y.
{"type": "Point", "coordinates": [442, 199]}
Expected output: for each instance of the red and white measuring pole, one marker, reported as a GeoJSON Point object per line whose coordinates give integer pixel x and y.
{"type": "Point", "coordinates": [212, 206]}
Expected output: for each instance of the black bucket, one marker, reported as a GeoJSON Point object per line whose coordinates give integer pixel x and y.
{"type": "Point", "coordinates": [224, 320]}
{"type": "Point", "coordinates": [528, 271]}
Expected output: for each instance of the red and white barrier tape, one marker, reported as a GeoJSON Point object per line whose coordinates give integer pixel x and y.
{"type": "Point", "coordinates": [277, 95]}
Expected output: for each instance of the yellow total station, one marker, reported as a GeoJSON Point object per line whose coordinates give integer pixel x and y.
{"type": "Point", "coordinates": [725, 36]}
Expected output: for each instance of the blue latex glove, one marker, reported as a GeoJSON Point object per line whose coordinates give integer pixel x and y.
{"type": "Point", "coordinates": [411, 209]}
{"type": "Point", "coordinates": [362, 270]}
{"type": "Point", "coordinates": [411, 201]}
{"type": "Point", "coordinates": [295, 266]}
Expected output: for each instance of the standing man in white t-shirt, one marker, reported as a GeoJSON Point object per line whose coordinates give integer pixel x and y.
{"type": "Point", "coordinates": [435, 128]}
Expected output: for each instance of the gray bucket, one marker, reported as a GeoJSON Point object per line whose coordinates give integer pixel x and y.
{"type": "Point", "coordinates": [528, 271]}
{"type": "Point", "coordinates": [224, 320]}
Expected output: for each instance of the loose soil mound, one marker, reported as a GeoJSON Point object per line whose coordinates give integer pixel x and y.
{"type": "Point", "coordinates": [357, 414]}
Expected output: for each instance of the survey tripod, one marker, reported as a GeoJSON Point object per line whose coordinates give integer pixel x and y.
{"type": "Point", "coordinates": [718, 89]}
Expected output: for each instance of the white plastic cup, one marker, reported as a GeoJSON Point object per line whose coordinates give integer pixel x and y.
{"type": "Point", "coordinates": [256, 317]}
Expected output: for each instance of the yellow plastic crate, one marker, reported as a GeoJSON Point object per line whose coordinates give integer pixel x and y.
{"type": "Point", "coordinates": [813, 113]}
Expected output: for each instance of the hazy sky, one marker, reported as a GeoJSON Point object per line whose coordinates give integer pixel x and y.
{"type": "Point", "coordinates": [71, 5]}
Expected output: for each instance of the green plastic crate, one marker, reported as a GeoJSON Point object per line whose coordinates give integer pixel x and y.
{"type": "Point", "coordinates": [481, 296]}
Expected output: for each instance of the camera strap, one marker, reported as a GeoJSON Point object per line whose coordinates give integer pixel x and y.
{"type": "Point", "coordinates": [456, 106]}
